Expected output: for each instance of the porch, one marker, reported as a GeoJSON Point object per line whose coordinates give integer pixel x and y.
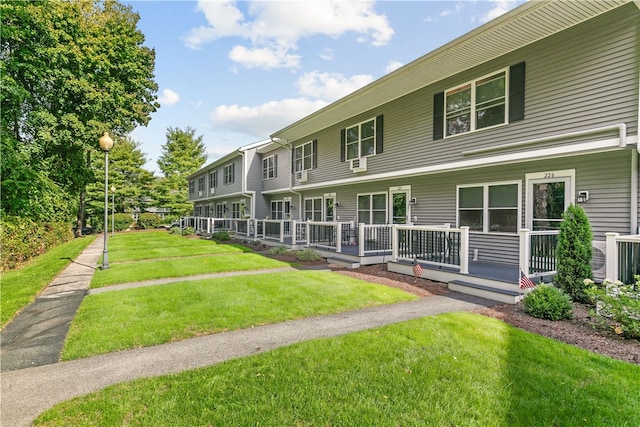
{"type": "Point", "coordinates": [441, 251]}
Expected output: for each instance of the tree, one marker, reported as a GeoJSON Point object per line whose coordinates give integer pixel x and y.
{"type": "Point", "coordinates": [182, 155]}
{"type": "Point", "coordinates": [574, 253]}
{"type": "Point", "coordinates": [133, 183]}
{"type": "Point", "coordinates": [70, 71]}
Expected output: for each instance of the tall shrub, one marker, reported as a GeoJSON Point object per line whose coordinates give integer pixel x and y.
{"type": "Point", "coordinates": [574, 253]}
{"type": "Point", "coordinates": [149, 220]}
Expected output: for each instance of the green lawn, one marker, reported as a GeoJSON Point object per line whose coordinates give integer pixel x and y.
{"type": "Point", "coordinates": [162, 244]}
{"type": "Point", "coordinates": [20, 287]}
{"type": "Point", "coordinates": [457, 369]}
{"type": "Point", "coordinates": [120, 320]}
{"type": "Point", "coordinates": [180, 267]}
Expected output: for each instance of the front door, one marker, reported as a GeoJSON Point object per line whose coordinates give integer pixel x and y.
{"type": "Point", "coordinates": [549, 194]}
{"type": "Point", "coordinates": [399, 200]}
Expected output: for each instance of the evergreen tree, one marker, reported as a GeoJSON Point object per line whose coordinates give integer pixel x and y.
{"type": "Point", "coordinates": [574, 253]}
{"type": "Point", "coordinates": [182, 155]}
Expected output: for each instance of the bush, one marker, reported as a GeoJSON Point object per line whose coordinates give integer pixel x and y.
{"type": "Point", "coordinates": [548, 302]}
{"type": "Point", "coordinates": [574, 253]}
{"type": "Point", "coordinates": [619, 304]}
{"type": "Point", "coordinates": [148, 220]}
{"type": "Point", "coordinates": [23, 239]}
{"type": "Point", "coordinates": [121, 221]}
{"type": "Point", "coordinates": [221, 236]}
{"type": "Point", "coordinates": [278, 250]}
{"type": "Point", "coordinates": [308, 255]}
{"type": "Point", "coordinates": [188, 231]}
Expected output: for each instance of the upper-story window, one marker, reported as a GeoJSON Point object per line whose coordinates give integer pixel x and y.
{"type": "Point", "coordinates": [361, 140]}
{"type": "Point", "coordinates": [476, 105]}
{"type": "Point", "coordinates": [269, 165]}
{"type": "Point", "coordinates": [201, 183]}
{"type": "Point", "coordinates": [304, 156]}
{"type": "Point", "coordinates": [192, 186]}
{"type": "Point", "coordinates": [213, 179]}
{"type": "Point", "coordinates": [228, 173]}
{"type": "Point", "coordinates": [491, 100]}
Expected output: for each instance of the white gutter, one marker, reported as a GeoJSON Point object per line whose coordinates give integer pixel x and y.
{"type": "Point", "coordinates": [621, 127]}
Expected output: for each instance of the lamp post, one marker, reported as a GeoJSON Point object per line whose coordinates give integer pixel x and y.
{"type": "Point", "coordinates": [106, 144]}
{"type": "Point", "coordinates": [113, 210]}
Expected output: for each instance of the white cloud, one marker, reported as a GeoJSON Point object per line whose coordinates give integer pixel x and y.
{"type": "Point", "coordinates": [273, 28]}
{"type": "Point", "coordinates": [330, 86]}
{"type": "Point", "coordinates": [500, 7]}
{"type": "Point", "coordinates": [263, 120]}
{"type": "Point", "coordinates": [326, 54]}
{"type": "Point", "coordinates": [265, 57]}
{"type": "Point", "coordinates": [168, 97]}
{"type": "Point", "coordinates": [456, 9]}
{"type": "Point", "coordinates": [392, 66]}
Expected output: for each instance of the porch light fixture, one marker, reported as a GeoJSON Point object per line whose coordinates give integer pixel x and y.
{"type": "Point", "coordinates": [582, 197]}
{"type": "Point", "coordinates": [337, 204]}
{"type": "Point", "coordinates": [106, 144]}
{"type": "Point", "coordinates": [413, 201]}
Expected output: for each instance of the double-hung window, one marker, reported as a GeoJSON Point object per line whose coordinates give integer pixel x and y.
{"type": "Point", "coordinates": [361, 140]}
{"type": "Point", "coordinates": [213, 179]}
{"type": "Point", "coordinates": [489, 207]}
{"type": "Point", "coordinates": [313, 209]}
{"type": "Point", "coordinates": [269, 167]}
{"type": "Point", "coordinates": [201, 184]}
{"type": "Point", "coordinates": [303, 157]}
{"type": "Point", "coordinates": [372, 208]}
{"type": "Point", "coordinates": [228, 174]}
{"type": "Point", "coordinates": [192, 186]}
{"type": "Point", "coordinates": [478, 104]}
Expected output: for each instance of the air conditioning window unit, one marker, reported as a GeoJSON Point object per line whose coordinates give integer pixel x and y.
{"type": "Point", "coordinates": [212, 191]}
{"type": "Point", "coordinates": [599, 259]}
{"type": "Point", "coordinates": [359, 165]}
{"type": "Point", "coordinates": [302, 176]}
{"type": "Point", "coordinates": [200, 193]}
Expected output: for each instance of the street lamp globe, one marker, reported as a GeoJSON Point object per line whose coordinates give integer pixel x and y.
{"type": "Point", "coordinates": [106, 143]}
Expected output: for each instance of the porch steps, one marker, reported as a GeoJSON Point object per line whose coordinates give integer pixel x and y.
{"type": "Point", "coordinates": [501, 292]}
{"type": "Point", "coordinates": [342, 262]}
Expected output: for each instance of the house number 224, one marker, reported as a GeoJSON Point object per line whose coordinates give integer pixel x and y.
{"type": "Point", "coordinates": [549, 175]}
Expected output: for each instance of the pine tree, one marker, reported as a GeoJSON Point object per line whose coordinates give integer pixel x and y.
{"type": "Point", "coordinates": [574, 253]}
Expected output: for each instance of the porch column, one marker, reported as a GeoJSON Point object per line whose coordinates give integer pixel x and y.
{"type": "Point", "coordinates": [308, 233]}
{"type": "Point", "coordinates": [281, 231]}
{"type": "Point", "coordinates": [464, 250]}
{"type": "Point", "coordinates": [339, 237]}
{"type": "Point", "coordinates": [294, 231]}
{"type": "Point", "coordinates": [525, 250]}
{"type": "Point", "coordinates": [361, 239]}
{"type": "Point", "coordinates": [394, 243]}
{"type": "Point", "coordinates": [611, 266]}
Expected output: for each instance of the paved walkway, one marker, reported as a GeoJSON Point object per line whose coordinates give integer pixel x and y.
{"type": "Point", "coordinates": [29, 391]}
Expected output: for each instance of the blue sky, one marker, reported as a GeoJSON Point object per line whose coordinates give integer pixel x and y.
{"type": "Point", "coordinates": [238, 71]}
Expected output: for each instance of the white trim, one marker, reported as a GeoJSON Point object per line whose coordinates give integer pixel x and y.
{"type": "Point", "coordinates": [266, 169]}
{"type": "Point", "coordinates": [503, 159]}
{"type": "Point", "coordinates": [402, 189]}
{"type": "Point", "coordinates": [485, 205]}
{"type": "Point", "coordinates": [359, 125]}
{"type": "Point", "coordinates": [301, 146]}
{"type": "Point", "coordinates": [566, 175]}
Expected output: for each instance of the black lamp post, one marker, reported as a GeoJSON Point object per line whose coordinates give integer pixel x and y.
{"type": "Point", "coordinates": [106, 143]}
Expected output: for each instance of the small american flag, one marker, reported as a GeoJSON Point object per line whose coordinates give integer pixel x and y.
{"type": "Point", "coordinates": [525, 282]}
{"type": "Point", "coordinates": [417, 268]}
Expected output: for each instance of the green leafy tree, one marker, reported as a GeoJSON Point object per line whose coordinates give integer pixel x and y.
{"type": "Point", "coordinates": [182, 155]}
{"type": "Point", "coordinates": [70, 71]}
{"type": "Point", "coordinates": [574, 253]}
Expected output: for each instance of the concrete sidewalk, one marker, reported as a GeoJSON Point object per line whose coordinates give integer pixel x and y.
{"type": "Point", "coordinates": [33, 380]}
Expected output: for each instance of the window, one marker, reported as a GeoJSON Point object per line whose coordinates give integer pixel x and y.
{"type": "Point", "coordinates": [269, 167]}
{"type": "Point", "coordinates": [192, 186]}
{"type": "Point", "coordinates": [362, 140]}
{"type": "Point", "coordinates": [277, 209]}
{"type": "Point", "coordinates": [220, 210]}
{"type": "Point", "coordinates": [213, 179]}
{"type": "Point", "coordinates": [489, 207]}
{"type": "Point", "coordinates": [200, 184]}
{"type": "Point", "coordinates": [372, 208]}
{"type": "Point", "coordinates": [304, 156]}
{"type": "Point", "coordinates": [481, 103]}
{"type": "Point", "coordinates": [237, 209]}
{"type": "Point", "coordinates": [228, 174]}
{"type": "Point", "coordinates": [313, 209]}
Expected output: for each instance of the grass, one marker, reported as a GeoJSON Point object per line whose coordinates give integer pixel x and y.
{"type": "Point", "coordinates": [161, 244]}
{"type": "Point", "coordinates": [180, 267]}
{"type": "Point", "coordinates": [20, 287]}
{"type": "Point", "coordinates": [446, 370]}
{"type": "Point", "coordinates": [184, 310]}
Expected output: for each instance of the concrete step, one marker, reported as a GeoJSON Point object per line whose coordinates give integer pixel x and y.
{"type": "Point", "coordinates": [342, 262]}
{"type": "Point", "coordinates": [508, 296]}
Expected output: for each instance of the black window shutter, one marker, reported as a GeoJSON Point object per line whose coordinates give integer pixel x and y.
{"type": "Point", "coordinates": [379, 133]}
{"type": "Point", "coordinates": [275, 165]}
{"type": "Point", "coordinates": [293, 160]}
{"type": "Point", "coordinates": [438, 115]}
{"type": "Point", "coordinates": [516, 92]}
{"type": "Point", "coordinates": [314, 154]}
{"type": "Point", "coordinates": [343, 144]}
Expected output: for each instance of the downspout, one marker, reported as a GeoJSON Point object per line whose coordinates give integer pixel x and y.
{"type": "Point", "coordinates": [244, 191]}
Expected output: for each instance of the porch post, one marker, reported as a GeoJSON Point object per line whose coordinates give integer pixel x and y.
{"type": "Point", "coordinates": [339, 237]}
{"type": "Point", "coordinates": [294, 231]}
{"type": "Point", "coordinates": [525, 250]}
{"type": "Point", "coordinates": [308, 230]}
{"type": "Point", "coordinates": [281, 231]}
{"type": "Point", "coordinates": [394, 243]}
{"type": "Point", "coordinates": [464, 250]}
{"type": "Point", "coordinates": [361, 239]}
{"type": "Point", "coordinates": [611, 267]}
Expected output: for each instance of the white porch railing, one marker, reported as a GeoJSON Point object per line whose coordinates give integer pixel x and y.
{"type": "Point", "coordinates": [207, 225]}
{"type": "Point", "coordinates": [622, 257]}
{"type": "Point", "coordinates": [538, 251]}
{"type": "Point", "coordinates": [432, 245]}
{"type": "Point", "coordinates": [374, 238]}
{"type": "Point", "coordinates": [275, 229]}
{"type": "Point", "coordinates": [329, 235]}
